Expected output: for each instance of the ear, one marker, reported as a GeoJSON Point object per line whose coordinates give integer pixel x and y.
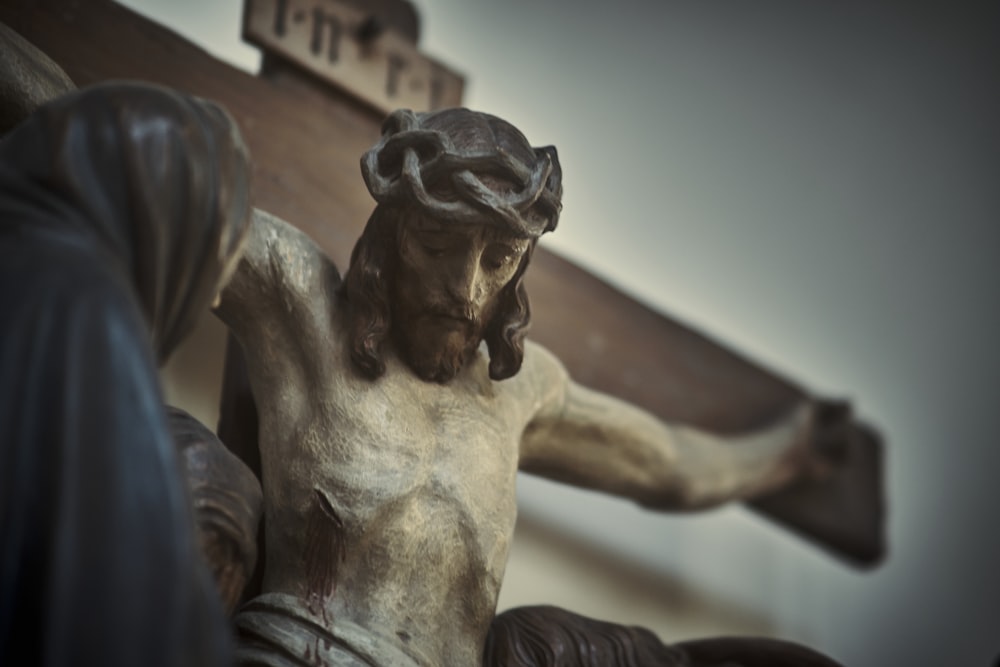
{"type": "Point", "coordinates": [554, 183]}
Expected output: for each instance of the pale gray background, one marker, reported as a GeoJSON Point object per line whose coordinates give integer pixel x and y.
{"type": "Point", "coordinates": [814, 183]}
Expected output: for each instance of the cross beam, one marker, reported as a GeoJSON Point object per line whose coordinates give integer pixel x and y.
{"type": "Point", "coordinates": [306, 140]}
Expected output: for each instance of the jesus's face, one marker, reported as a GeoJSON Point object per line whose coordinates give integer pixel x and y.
{"type": "Point", "coordinates": [446, 289]}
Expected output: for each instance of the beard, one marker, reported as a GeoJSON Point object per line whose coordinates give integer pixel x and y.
{"type": "Point", "coordinates": [435, 337]}
{"type": "Point", "coordinates": [436, 347]}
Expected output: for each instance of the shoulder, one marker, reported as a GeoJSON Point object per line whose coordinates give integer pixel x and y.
{"type": "Point", "coordinates": [282, 276]}
{"type": "Point", "coordinates": [286, 254]}
{"type": "Point", "coordinates": [538, 360]}
{"type": "Point", "coordinates": [542, 379]}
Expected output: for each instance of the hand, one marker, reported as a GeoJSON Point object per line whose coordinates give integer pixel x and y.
{"type": "Point", "coordinates": [838, 495]}
{"type": "Point", "coordinates": [833, 433]}
{"type": "Point", "coordinates": [227, 504]}
{"type": "Point", "coordinates": [230, 561]}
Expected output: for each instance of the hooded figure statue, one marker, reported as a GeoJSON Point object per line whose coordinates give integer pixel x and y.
{"type": "Point", "coordinates": [123, 208]}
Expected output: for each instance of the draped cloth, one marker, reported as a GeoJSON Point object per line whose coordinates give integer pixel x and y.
{"type": "Point", "coordinates": [121, 207]}
{"type": "Point", "coordinates": [280, 630]}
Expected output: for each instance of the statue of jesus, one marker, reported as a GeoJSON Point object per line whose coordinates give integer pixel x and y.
{"type": "Point", "coordinates": [398, 403]}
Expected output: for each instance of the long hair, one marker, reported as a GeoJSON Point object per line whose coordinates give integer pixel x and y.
{"type": "Point", "coordinates": [366, 289]}
{"type": "Point", "coordinates": [505, 333]}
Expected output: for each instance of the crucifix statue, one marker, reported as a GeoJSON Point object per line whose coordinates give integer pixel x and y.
{"type": "Point", "coordinates": [398, 402]}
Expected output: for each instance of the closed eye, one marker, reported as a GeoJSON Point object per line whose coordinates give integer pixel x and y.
{"type": "Point", "coordinates": [498, 254]}
{"type": "Point", "coordinates": [436, 245]}
{"type": "Point", "coordinates": [433, 250]}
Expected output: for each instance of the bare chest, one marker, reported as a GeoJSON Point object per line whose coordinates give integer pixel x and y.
{"type": "Point", "coordinates": [420, 470]}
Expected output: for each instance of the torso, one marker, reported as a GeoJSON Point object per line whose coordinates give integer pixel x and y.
{"type": "Point", "coordinates": [391, 503]}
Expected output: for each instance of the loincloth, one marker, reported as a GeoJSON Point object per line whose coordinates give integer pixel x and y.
{"type": "Point", "coordinates": [279, 630]}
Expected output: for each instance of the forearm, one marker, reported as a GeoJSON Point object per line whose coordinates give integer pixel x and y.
{"type": "Point", "coordinates": [602, 443]}
{"type": "Point", "coordinates": [711, 469]}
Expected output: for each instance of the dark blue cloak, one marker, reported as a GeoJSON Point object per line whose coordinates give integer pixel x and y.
{"type": "Point", "coordinates": [120, 208]}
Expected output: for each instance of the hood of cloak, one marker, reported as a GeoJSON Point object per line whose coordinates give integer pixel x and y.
{"type": "Point", "coordinates": [156, 181]}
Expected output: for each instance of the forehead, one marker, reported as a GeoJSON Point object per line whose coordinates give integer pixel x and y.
{"type": "Point", "coordinates": [486, 231]}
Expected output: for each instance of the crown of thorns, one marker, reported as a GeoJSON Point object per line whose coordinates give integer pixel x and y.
{"type": "Point", "coordinates": [414, 165]}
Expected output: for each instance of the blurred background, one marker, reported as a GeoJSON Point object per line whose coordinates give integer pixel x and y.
{"type": "Point", "coordinates": [816, 186]}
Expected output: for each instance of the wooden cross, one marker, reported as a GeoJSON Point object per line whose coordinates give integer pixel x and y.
{"type": "Point", "coordinates": [306, 136]}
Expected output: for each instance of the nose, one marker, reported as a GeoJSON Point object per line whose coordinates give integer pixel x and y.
{"type": "Point", "coordinates": [463, 282]}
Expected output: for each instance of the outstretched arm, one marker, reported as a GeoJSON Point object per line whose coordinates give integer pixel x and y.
{"type": "Point", "coordinates": [589, 439]}
{"type": "Point", "coordinates": [278, 306]}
